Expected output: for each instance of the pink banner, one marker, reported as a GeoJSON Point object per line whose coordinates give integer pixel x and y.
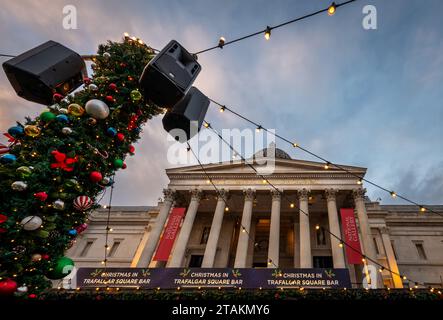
{"type": "Point", "coordinates": [351, 236]}
{"type": "Point", "coordinates": [169, 234]}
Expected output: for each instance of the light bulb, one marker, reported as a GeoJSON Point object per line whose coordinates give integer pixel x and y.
{"type": "Point", "coordinates": [268, 33]}
{"type": "Point", "coordinates": [332, 8]}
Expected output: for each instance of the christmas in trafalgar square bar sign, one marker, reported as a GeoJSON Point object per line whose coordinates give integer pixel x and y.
{"type": "Point", "coordinates": [248, 278]}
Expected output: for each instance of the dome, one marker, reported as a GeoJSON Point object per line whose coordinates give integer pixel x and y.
{"type": "Point", "coordinates": [272, 150]}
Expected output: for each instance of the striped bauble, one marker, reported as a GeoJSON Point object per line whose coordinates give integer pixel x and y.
{"type": "Point", "coordinates": [82, 203]}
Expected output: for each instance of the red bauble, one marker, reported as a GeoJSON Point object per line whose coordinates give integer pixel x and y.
{"type": "Point", "coordinates": [124, 166]}
{"type": "Point", "coordinates": [45, 256]}
{"type": "Point", "coordinates": [131, 149]}
{"type": "Point", "coordinates": [3, 218]}
{"type": "Point", "coordinates": [123, 65]}
{"type": "Point", "coordinates": [42, 196]}
{"type": "Point", "coordinates": [7, 287]}
{"type": "Point", "coordinates": [109, 98]}
{"type": "Point", "coordinates": [112, 86]}
{"type": "Point", "coordinates": [86, 80]}
{"type": "Point", "coordinates": [120, 136]}
{"type": "Point", "coordinates": [95, 176]}
{"type": "Point", "coordinates": [32, 296]}
{"type": "Point", "coordinates": [81, 227]}
{"type": "Point", "coordinates": [83, 203]}
{"type": "Point", "coordinates": [57, 97]}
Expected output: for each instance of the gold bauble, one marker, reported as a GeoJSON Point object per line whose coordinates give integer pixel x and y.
{"type": "Point", "coordinates": [32, 130]}
{"type": "Point", "coordinates": [76, 109]}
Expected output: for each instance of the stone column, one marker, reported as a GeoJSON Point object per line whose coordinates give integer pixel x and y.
{"type": "Point", "coordinates": [214, 234]}
{"type": "Point", "coordinates": [365, 231]}
{"type": "Point", "coordinates": [392, 262]}
{"type": "Point", "coordinates": [245, 228]}
{"type": "Point", "coordinates": [274, 231]}
{"type": "Point", "coordinates": [154, 237]}
{"type": "Point", "coordinates": [185, 232]}
{"type": "Point", "coordinates": [305, 231]}
{"type": "Point", "coordinates": [334, 226]}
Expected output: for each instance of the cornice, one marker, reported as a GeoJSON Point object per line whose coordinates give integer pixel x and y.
{"type": "Point", "coordinates": [287, 176]}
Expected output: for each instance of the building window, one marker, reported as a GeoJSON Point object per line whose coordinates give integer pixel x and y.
{"type": "Point", "coordinates": [320, 237]}
{"type": "Point", "coordinates": [86, 248]}
{"type": "Point", "coordinates": [114, 248]}
{"type": "Point", "coordinates": [205, 235]}
{"type": "Point", "coordinates": [421, 251]}
{"type": "Point", "coordinates": [323, 262]}
{"type": "Point", "coordinates": [195, 261]}
{"type": "Point", "coordinates": [393, 249]}
{"type": "Point", "coordinates": [376, 245]}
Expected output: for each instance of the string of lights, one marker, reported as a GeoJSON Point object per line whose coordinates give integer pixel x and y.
{"type": "Point", "coordinates": [342, 243]}
{"type": "Point", "coordinates": [331, 9]}
{"type": "Point", "coordinates": [328, 164]}
{"type": "Point", "coordinates": [209, 179]}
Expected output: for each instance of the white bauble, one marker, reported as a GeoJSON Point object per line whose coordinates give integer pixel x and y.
{"type": "Point", "coordinates": [93, 87]}
{"type": "Point", "coordinates": [19, 186]}
{"type": "Point", "coordinates": [63, 111]}
{"type": "Point", "coordinates": [22, 289]}
{"type": "Point", "coordinates": [31, 223]}
{"type": "Point", "coordinates": [97, 109]}
{"type": "Point", "coordinates": [66, 130]}
{"type": "Point", "coordinates": [58, 204]}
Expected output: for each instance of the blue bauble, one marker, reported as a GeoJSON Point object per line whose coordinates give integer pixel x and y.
{"type": "Point", "coordinates": [62, 118]}
{"type": "Point", "coordinates": [72, 232]}
{"type": "Point", "coordinates": [16, 131]}
{"type": "Point", "coordinates": [137, 130]}
{"type": "Point", "coordinates": [112, 132]}
{"type": "Point", "coordinates": [8, 158]}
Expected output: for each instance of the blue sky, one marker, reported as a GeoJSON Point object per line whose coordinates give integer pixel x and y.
{"type": "Point", "coordinates": [358, 97]}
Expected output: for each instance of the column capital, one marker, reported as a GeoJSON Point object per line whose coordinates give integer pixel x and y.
{"type": "Point", "coordinates": [384, 230]}
{"type": "Point", "coordinates": [169, 194]}
{"type": "Point", "coordinates": [249, 194]}
{"type": "Point", "coordinates": [276, 194]}
{"type": "Point", "coordinates": [303, 194]}
{"type": "Point", "coordinates": [222, 194]}
{"type": "Point", "coordinates": [359, 194]}
{"type": "Point", "coordinates": [331, 194]}
{"type": "Point", "coordinates": [196, 194]}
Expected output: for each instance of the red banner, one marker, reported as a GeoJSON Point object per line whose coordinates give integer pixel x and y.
{"type": "Point", "coordinates": [351, 236]}
{"type": "Point", "coordinates": [169, 234]}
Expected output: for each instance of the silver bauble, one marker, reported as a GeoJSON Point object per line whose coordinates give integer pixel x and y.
{"type": "Point", "coordinates": [63, 111]}
{"type": "Point", "coordinates": [19, 186]}
{"type": "Point", "coordinates": [54, 107]}
{"type": "Point", "coordinates": [105, 181]}
{"type": "Point", "coordinates": [97, 109]}
{"type": "Point", "coordinates": [66, 100]}
{"type": "Point", "coordinates": [31, 223]}
{"type": "Point", "coordinates": [22, 289]}
{"type": "Point", "coordinates": [58, 204]}
{"type": "Point", "coordinates": [93, 87]}
{"type": "Point", "coordinates": [66, 130]}
{"type": "Point", "coordinates": [106, 55]}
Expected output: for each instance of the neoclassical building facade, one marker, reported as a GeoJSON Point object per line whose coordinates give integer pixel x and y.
{"type": "Point", "coordinates": [246, 223]}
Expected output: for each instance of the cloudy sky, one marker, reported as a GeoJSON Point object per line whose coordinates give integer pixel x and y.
{"type": "Point", "coordinates": [370, 98]}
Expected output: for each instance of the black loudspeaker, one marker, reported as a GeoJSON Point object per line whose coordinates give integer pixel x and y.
{"type": "Point", "coordinates": [47, 69]}
{"type": "Point", "coordinates": [188, 115]}
{"type": "Point", "coordinates": [168, 76]}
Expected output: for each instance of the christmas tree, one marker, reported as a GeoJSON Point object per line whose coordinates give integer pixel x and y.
{"type": "Point", "coordinates": [60, 162]}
